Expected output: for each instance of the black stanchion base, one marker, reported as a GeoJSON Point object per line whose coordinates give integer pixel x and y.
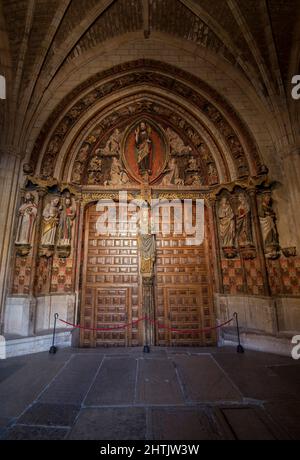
{"type": "Point", "coordinates": [53, 350]}
{"type": "Point", "coordinates": [146, 349]}
{"type": "Point", "coordinates": [240, 349]}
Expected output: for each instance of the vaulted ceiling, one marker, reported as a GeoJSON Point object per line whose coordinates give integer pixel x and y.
{"type": "Point", "coordinates": [40, 38]}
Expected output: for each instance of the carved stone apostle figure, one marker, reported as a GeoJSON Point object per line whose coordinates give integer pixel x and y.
{"type": "Point", "coordinates": [67, 215]}
{"type": "Point", "coordinates": [267, 218]}
{"type": "Point", "coordinates": [143, 143]}
{"type": "Point", "coordinates": [50, 222]}
{"type": "Point", "coordinates": [243, 221]}
{"type": "Point", "coordinates": [27, 216]}
{"type": "Point", "coordinates": [226, 224]}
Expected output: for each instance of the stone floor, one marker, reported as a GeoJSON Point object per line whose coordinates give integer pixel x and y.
{"type": "Point", "coordinates": [170, 394]}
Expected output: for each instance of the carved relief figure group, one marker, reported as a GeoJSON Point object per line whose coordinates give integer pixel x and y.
{"type": "Point", "coordinates": [235, 225]}
{"type": "Point", "coordinates": [56, 225]}
{"type": "Point", "coordinates": [105, 164]}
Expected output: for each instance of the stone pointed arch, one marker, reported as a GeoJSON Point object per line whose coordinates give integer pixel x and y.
{"type": "Point", "coordinates": [194, 95]}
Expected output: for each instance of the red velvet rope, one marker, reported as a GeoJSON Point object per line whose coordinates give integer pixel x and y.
{"type": "Point", "coordinates": [160, 326]}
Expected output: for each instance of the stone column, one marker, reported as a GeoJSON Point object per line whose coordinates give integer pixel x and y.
{"type": "Point", "coordinates": [78, 250]}
{"type": "Point", "coordinates": [259, 241]}
{"type": "Point", "coordinates": [10, 162]}
{"type": "Point", "coordinates": [35, 259]}
{"type": "Point", "coordinates": [216, 244]}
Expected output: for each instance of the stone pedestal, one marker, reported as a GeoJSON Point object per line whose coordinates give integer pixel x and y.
{"type": "Point", "coordinates": [48, 305]}
{"type": "Point", "coordinates": [19, 316]}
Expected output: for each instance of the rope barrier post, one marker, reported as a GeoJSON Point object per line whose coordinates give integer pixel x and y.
{"type": "Point", "coordinates": [53, 348]}
{"type": "Point", "coordinates": [239, 348]}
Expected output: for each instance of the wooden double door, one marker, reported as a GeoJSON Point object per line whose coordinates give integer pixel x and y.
{"type": "Point", "coordinates": [112, 290]}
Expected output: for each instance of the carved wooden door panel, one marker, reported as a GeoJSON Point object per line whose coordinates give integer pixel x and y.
{"type": "Point", "coordinates": [183, 291]}
{"type": "Point", "coordinates": [111, 290]}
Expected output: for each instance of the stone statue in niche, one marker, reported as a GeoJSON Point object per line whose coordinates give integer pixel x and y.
{"type": "Point", "coordinates": [143, 144]}
{"type": "Point", "coordinates": [172, 176]}
{"type": "Point", "coordinates": [50, 222]}
{"type": "Point", "coordinates": [267, 218]}
{"type": "Point", "coordinates": [67, 216]}
{"type": "Point", "coordinates": [27, 217]}
{"type": "Point", "coordinates": [244, 228]}
{"type": "Point", "coordinates": [227, 228]}
{"type": "Point", "coordinates": [118, 175]}
{"type": "Point", "coordinates": [243, 222]}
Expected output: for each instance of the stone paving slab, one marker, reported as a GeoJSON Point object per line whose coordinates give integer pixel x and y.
{"type": "Point", "coordinates": [256, 378]}
{"type": "Point", "coordinates": [22, 432]}
{"type": "Point", "coordinates": [287, 415]}
{"type": "Point", "coordinates": [74, 381]}
{"type": "Point", "coordinates": [248, 423]}
{"type": "Point", "coordinates": [115, 382]}
{"type": "Point", "coordinates": [184, 393]}
{"type": "Point", "coordinates": [22, 387]}
{"type": "Point", "coordinates": [110, 424]}
{"type": "Point", "coordinates": [183, 424]}
{"type": "Point", "coordinates": [50, 414]}
{"type": "Point", "coordinates": [203, 380]}
{"type": "Point", "coordinates": [158, 383]}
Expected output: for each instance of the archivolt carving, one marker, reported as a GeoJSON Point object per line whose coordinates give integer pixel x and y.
{"type": "Point", "coordinates": [149, 76]}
